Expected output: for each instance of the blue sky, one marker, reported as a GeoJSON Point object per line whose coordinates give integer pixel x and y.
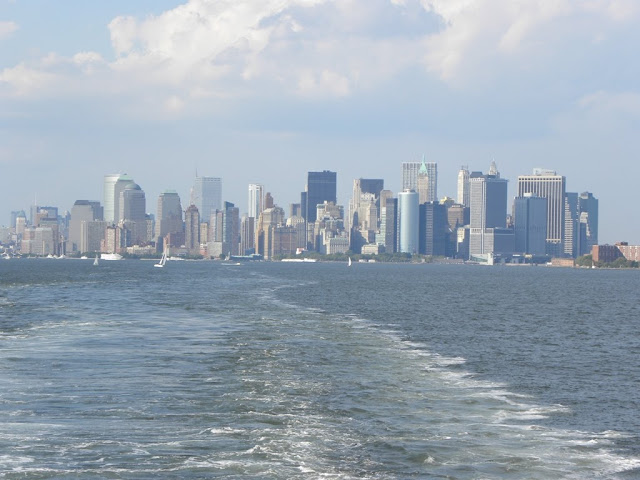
{"type": "Point", "coordinates": [264, 91]}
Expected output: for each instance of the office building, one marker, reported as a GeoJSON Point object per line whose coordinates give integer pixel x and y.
{"type": "Point", "coordinates": [549, 185]}
{"type": "Point", "coordinates": [488, 215]}
{"type": "Point", "coordinates": [256, 200]}
{"type": "Point", "coordinates": [408, 222]}
{"type": "Point", "coordinates": [588, 222]}
{"type": "Point", "coordinates": [82, 211]}
{"type": "Point", "coordinates": [206, 195]}
{"type": "Point", "coordinates": [411, 171]}
{"type": "Point", "coordinates": [434, 229]}
{"type": "Point", "coordinates": [530, 224]}
{"type": "Point", "coordinates": [192, 230]}
{"type": "Point", "coordinates": [169, 214]}
{"type": "Point", "coordinates": [321, 187]}
{"type": "Point", "coordinates": [571, 225]}
{"type": "Point", "coordinates": [463, 186]}
{"type": "Point", "coordinates": [109, 190]}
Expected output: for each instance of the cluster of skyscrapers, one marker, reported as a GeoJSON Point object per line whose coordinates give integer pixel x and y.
{"type": "Point", "coordinates": [544, 221]}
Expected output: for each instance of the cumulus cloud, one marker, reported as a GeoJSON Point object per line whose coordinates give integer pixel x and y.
{"type": "Point", "coordinates": [479, 35]}
{"type": "Point", "coordinates": [206, 49]}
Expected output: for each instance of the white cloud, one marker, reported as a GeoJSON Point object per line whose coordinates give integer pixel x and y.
{"type": "Point", "coordinates": [7, 28]}
{"type": "Point", "coordinates": [211, 49]}
{"type": "Point", "coordinates": [484, 35]}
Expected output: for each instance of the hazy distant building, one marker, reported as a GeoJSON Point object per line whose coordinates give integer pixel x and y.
{"type": "Point", "coordinates": [408, 222]}
{"type": "Point", "coordinates": [530, 224]}
{"type": "Point", "coordinates": [411, 172]}
{"type": "Point", "coordinates": [571, 224]}
{"type": "Point", "coordinates": [82, 211]}
{"type": "Point", "coordinates": [169, 214]}
{"type": "Point", "coordinates": [225, 228]}
{"type": "Point", "coordinates": [92, 233]}
{"type": "Point", "coordinates": [488, 215]}
{"type": "Point", "coordinates": [255, 200]}
{"type": "Point", "coordinates": [247, 235]}
{"type": "Point", "coordinates": [547, 184]}
{"type": "Point", "coordinates": [192, 230]}
{"type": "Point", "coordinates": [206, 195]}
{"type": "Point", "coordinates": [109, 192]}
{"type": "Point", "coordinates": [133, 206]}
{"type": "Point", "coordinates": [457, 216]}
{"type": "Point", "coordinates": [588, 222]}
{"type": "Point", "coordinates": [388, 235]}
{"type": "Point", "coordinates": [321, 187]}
{"type": "Point", "coordinates": [463, 186]}
{"type": "Point", "coordinates": [123, 181]}
{"type": "Point", "coordinates": [434, 230]}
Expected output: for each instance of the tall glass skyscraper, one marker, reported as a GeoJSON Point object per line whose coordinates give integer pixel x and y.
{"type": "Point", "coordinates": [321, 187]}
{"type": "Point", "coordinates": [256, 200]}
{"type": "Point", "coordinates": [169, 214]}
{"type": "Point", "coordinates": [207, 196]}
{"type": "Point", "coordinates": [408, 222]}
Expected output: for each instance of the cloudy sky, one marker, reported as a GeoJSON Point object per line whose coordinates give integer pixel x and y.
{"type": "Point", "coordinates": [266, 90]}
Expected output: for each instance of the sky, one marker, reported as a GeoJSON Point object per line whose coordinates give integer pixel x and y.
{"type": "Point", "coordinates": [263, 91]}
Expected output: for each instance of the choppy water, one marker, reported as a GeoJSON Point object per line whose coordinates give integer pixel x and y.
{"type": "Point", "coordinates": [200, 370]}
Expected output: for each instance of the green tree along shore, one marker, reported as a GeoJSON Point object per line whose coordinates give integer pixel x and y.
{"type": "Point", "coordinates": [587, 261]}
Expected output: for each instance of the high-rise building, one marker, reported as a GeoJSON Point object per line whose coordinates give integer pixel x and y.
{"type": "Point", "coordinates": [588, 222]}
{"type": "Point", "coordinates": [321, 187]}
{"type": "Point", "coordinates": [530, 224]}
{"type": "Point", "coordinates": [408, 222]}
{"type": "Point", "coordinates": [82, 211]}
{"type": "Point", "coordinates": [169, 214]}
{"type": "Point", "coordinates": [206, 195]}
{"type": "Point", "coordinates": [549, 185]}
{"type": "Point", "coordinates": [132, 207]}
{"type": "Point", "coordinates": [412, 170]}
{"type": "Point", "coordinates": [247, 235]}
{"type": "Point", "coordinates": [488, 214]}
{"type": "Point", "coordinates": [109, 197]}
{"type": "Point", "coordinates": [434, 229]}
{"type": "Point", "coordinates": [192, 229]}
{"type": "Point", "coordinates": [123, 183]}
{"type": "Point", "coordinates": [571, 224]}
{"type": "Point", "coordinates": [256, 200]}
{"type": "Point", "coordinates": [463, 186]}
{"type": "Point", "coordinates": [364, 189]}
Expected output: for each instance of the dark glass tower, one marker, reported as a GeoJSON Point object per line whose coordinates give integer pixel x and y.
{"type": "Point", "coordinates": [321, 187]}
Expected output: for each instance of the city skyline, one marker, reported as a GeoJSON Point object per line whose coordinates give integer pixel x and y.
{"type": "Point", "coordinates": [100, 88]}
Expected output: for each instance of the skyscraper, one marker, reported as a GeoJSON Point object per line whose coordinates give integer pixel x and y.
{"type": "Point", "coordinates": [530, 224]}
{"type": "Point", "coordinates": [121, 184]}
{"type": "Point", "coordinates": [588, 222]}
{"type": "Point", "coordinates": [192, 229]}
{"type": "Point", "coordinates": [169, 214]}
{"type": "Point", "coordinates": [410, 173]}
{"type": "Point", "coordinates": [463, 186]}
{"type": "Point", "coordinates": [321, 187]}
{"type": "Point", "coordinates": [571, 224]}
{"type": "Point", "coordinates": [82, 211]}
{"type": "Point", "coordinates": [434, 229]}
{"type": "Point", "coordinates": [113, 185]}
{"type": "Point", "coordinates": [256, 200]}
{"type": "Point", "coordinates": [547, 184]}
{"type": "Point", "coordinates": [206, 195]}
{"type": "Point", "coordinates": [408, 222]}
{"type": "Point", "coordinates": [488, 214]}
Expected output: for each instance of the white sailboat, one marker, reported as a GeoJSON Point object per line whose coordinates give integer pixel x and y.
{"type": "Point", "coordinates": [95, 262]}
{"type": "Point", "coordinates": [162, 261]}
{"type": "Point", "coordinates": [349, 262]}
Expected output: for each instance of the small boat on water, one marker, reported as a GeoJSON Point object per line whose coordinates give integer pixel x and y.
{"type": "Point", "coordinates": [95, 262]}
{"type": "Point", "coordinates": [110, 256]}
{"type": "Point", "coordinates": [162, 261]}
{"type": "Point", "coordinates": [349, 262]}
